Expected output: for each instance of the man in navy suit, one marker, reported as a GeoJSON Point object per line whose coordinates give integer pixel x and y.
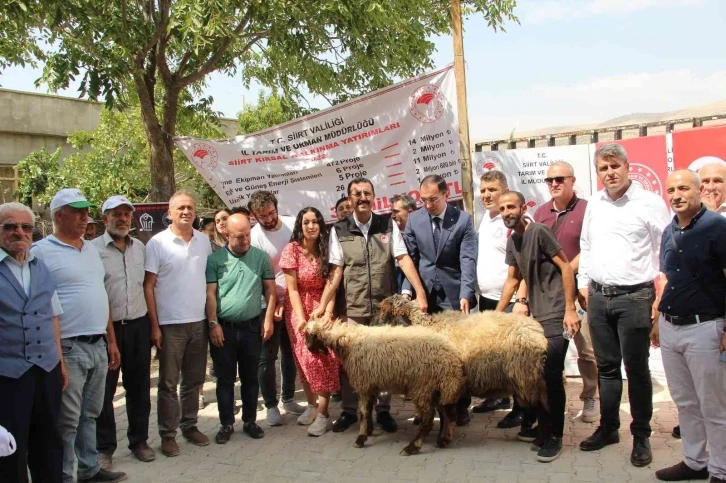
{"type": "Point", "coordinates": [443, 245]}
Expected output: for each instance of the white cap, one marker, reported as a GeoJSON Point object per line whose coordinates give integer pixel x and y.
{"type": "Point", "coordinates": [70, 196]}
{"type": "Point", "coordinates": [116, 201]}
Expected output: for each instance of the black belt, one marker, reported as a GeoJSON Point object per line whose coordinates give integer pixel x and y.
{"type": "Point", "coordinates": [615, 290]}
{"type": "Point", "coordinates": [245, 324]}
{"type": "Point", "coordinates": [128, 321]}
{"type": "Point", "coordinates": [90, 339]}
{"type": "Point", "coordinates": [689, 319]}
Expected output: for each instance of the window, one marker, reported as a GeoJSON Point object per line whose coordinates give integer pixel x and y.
{"type": "Point", "coordinates": [8, 182]}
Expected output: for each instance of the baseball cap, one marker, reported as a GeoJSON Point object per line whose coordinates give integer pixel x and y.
{"type": "Point", "coordinates": [115, 202]}
{"type": "Point", "coordinates": [71, 197]}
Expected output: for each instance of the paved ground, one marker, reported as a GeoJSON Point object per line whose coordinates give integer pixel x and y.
{"type": "Point", "coordinates": [480, 453]}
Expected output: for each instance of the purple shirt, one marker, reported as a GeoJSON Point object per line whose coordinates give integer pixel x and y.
{"type": "Point", "coordinates": [568, 233]}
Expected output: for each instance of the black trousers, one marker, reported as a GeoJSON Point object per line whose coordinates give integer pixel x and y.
{"type": "Point", "coordinates": [241, 350]}
{"type": "Point", "coordinates": [552, 422]}
{"type": "Point", "coordinates": [133, 338]}
{"type": "Point", "coordinates": [29, 407]}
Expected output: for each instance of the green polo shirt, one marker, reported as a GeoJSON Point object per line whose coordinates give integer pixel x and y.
{"type": "Point", "coordinates": [239, 282]}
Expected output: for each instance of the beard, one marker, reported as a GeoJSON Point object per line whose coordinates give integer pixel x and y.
{"type": "Point", "coordinates": [511, 221]}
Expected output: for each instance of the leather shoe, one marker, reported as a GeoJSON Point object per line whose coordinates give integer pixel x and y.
{"type": "Point", "coordinates": [194, 436]}
{"type": "Point", "coordinates": [344, 422]}
{"type": "Point", "coordinates": [143, 452]}
{"type": "Point", "coordinates": [169, 446]}
{"type": "Point", "coordinates": [489, 405]}
{"type": "Point", "coordinates": [511, 420]}
{"type": "Point", "coordinates": [388, 424]}
{"type": "Point", "coordinates": [676, 433]}
{"type": "Point", "coordinates": [252, 430]}
{"type": "Point", "coordinates": [681, 472]}
{"type": "Point", "coordinates": [717, 480]}
{"type": "Point", "coordinates": [641, 455]}
{"type": "Point", "coordinates": [462, 417]}
{"type": "Point", "coordinates": [106, 476]}
{"type": "Point", "coordinates": [599, 440]}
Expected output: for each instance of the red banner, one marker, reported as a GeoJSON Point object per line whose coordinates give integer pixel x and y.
{"type": "Point", "coordinates": [694, 148]}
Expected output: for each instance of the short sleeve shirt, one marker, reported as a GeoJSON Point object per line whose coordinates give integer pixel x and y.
{"type": "Point", "coordinates": [398, 246]}
{"type": "Point", "coordinates": [570, 224]}
{"type": "Point", "coordinates": [532, 254]}
{"type": "Point", "coordinates": [239, 282]}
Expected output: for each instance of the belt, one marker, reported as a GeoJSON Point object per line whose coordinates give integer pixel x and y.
{"type": "Point", "coordinates": [245, 324]}
{"type": "Point", "coordinates": [689, 319]}
{"type": "Point", "coordinates": [128, 321]}
{"type": "Point", "coordinates": [90, 339]}
{"type": "Point", "coordinates": [615, 290]}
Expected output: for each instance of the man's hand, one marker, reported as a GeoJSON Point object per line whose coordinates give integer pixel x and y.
{"type": "Point", "coordinates": [156, 337]}
{"type": "Point", "coordinates": [520, 309]}
{"type": "Point", "coordinates": [582, 298]}
{"type": "Point", "coordinates": [216, 336]}
{"type": "Point", "coordinates": [655, 334]}
{"type": "Point", "coordinates": [279, 309]}
{"type": "Point", "coordinates": [406, 296]}
{"type": "Point", "coordinates": [654, 314]}
{"type": "Point", "coordinates": [64, 374]}
{"type": "Point", "coordinates": [114, 356]}
{"type": "Point", "coordinates": [723, 343]}
{"type": "Point", "coordinates": [571, 322]}
{"type": "Point", "coordinates": [464, 304]}
{"type": "Point", "coordinates": [423, 304]}
{"type": "Point", "coordinates": [267, 330]}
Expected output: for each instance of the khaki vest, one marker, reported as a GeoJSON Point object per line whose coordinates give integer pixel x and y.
{"type": "Point", "coordinates": [368, 269]}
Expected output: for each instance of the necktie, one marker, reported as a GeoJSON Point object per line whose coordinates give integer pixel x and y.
{"type": "Point", "coordinates": [437, 233]}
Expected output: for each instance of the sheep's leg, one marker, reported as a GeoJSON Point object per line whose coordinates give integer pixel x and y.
{"type": "Point", "coordinates": [371, 400]}
{"type": "Point", "coordinates": [448, 416]}
{"type": "Point", "coordinates": [427, 418]}
{"type": "Point", "coordinates": [365, 427]}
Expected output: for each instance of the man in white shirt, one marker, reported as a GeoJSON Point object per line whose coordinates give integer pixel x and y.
{"type": "Point", "coordinates": [713, 187]}
{"type": "Point", "coordinates": [175, 289]}
{"type": "Point", "coordinates": [620, 245]}
{"type": "Point", "coordinates": [270, 235]}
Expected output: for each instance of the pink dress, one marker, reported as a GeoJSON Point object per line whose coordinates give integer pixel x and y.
{"type": "Point", "coordinates": [321, 371]}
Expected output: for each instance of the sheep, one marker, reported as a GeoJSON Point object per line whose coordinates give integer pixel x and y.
{"type": "Point", "coordinates": [503, 354]}
{"type": "Point", "coordinates": [414, 361]}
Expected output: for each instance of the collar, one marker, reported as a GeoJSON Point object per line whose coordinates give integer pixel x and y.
{"type": "Point", "coordinates": [570, 205]}
{"type": "Point", "coordinates": [108, 240]}
{"type": "Point", "coordinates": [722, 208]}
{"type": "Point", "coordinates": [441, 214]}
{"type": "Point", "coordinates": [693, 221]}
{"type": "Point", "coordinates": [360, 225]}
{"type": "Point", "coordinates": [29, 257]}
{"type": "Point", "coordinates": [497, 218]}
{"type": "Point", "coordinates": [629, 193]}
{"type": "Point", "coordinates": [52, 238]}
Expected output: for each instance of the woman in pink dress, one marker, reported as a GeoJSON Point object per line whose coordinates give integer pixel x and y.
{"type": "Point", "coordinates": [305, 263]}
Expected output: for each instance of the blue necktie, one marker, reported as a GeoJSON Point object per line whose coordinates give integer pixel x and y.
{"type": "Point", "coordinates": [437, 233]}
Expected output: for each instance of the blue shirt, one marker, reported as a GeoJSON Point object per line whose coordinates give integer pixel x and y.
{"type": "Point", "coordinates": [78, 275]}
{"type": "Point", "coordinates": [703, 244]}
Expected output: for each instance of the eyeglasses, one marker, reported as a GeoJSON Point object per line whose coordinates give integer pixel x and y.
{"type": "Point", "coordinates": [431, 201]}
{"type": "Point", "coordinates": [361, 194]}
{"type": "Point", "coordinates": [559, 179]}
{"type": "Point", "coordinates": [27, 227]}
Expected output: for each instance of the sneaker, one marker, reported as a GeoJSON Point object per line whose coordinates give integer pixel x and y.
{"type": "Point", "coordinates": [104, 475]}
{"type": "Point", "coordinates": [551, 450]}
{"type": "Point", "coordinates": [105, 460]}
{"type": "Point", "coordinates": [143, 452]}
{"type": "Point", "coordinates": [489, 405]}
{"type": "Point", "coordinates": [528, 435]}
{"type": "Point", "coordinates": [274, 418]}
{"type": "Point", "coordinates": [681, 472]}
{"type": "Point", "coordinates": [196, 437]}
{"type": "Point", "coordinates": [253, 431]}
{"type": "Point", "coordinates": [320, 426]}
{"type": "Point", "coordinates": [511, 420]}
{"type": "Point", "coordinates": [202, 401]}
{"type": "Point", "coordinates": [589, 411]}
{"type": "Point", "coordinates": [169, 446]}
{"type": "Point", "coordinates": [308, 416]}
{"type": "Point", "coordinates": [225, 432]}
{"type": "Point", "coordinates": [293, 408]}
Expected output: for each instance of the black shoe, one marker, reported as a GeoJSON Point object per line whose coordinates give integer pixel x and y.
{"type": "Point", "coordinates": [489, 405]}
{"type": "Point", "coordinates": [387, 422]}
{"type": "Point", "coordinates": [717, 480]}
{"type": "Point", "coordinates": [252, 430]}
{"type": "Point", "coordinates": [106, 476]}
{"type": "Point", "coordinates": [416, 421]}
{"type": "Point", "coordinates": [528, 435]}
{"type": "Point", "coordinates": [344, 422]}
{"type": "Point", "coordinates": [336, 397]}
{"type": "Point", "coordinates": [462, 417]}
{"type": "Point", "coordinates": [551, 450]}
{"type": "Point", "coordinates": [511, 420]}
{"type": "Point", "coordinates": [225, 432]}
{"type": "Point", "coordinates": [599, 440]}
{"type": "Point", "coordinates": [641, 455]}
{"type": "Point", "coordinates": [676, 433]}
{"type": "Point", "coordinates": [681, 472]}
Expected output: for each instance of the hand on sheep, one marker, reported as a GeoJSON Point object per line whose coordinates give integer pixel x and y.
{"type": "Point", "coordinates": [655, 334]}
{"type": "Point", "coordinates": [520, 309]}
{"type": "Point", "coordinates": [423, 305]}
{"type": "Point", "coordinates": [464, 303]}
{"type": "Point", "coordinates": [318, 312]}
{"type": "Point", "coordinates": [571, 322]}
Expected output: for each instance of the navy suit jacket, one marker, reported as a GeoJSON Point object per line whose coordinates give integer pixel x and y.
{"type": "Point", "coordinates": [455, 261]}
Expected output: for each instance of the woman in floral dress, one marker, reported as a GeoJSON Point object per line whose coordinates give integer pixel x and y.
{"type": "Point", "coordinates": [305, 263]}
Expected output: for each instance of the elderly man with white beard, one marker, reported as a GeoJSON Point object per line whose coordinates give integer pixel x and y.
{"type": "Point", "coordinates": [713, 187]}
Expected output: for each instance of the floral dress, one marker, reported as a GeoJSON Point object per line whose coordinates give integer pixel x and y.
{"type": "Point", "coordinates": [321, 371]}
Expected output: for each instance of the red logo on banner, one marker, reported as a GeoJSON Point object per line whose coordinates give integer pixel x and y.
{"type": "Point", "coordinates": [426, 104]}
{"type": "Point", "coordinates": [646, 178]}
{"type": "Point", "coordinates": [532, 203]}
{"type": "Point", "coordinates": [204, 156]}
{"type": "Point", "coordinates": [487, 164]}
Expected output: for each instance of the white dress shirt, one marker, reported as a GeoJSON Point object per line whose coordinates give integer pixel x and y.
{"type": "Point", "coordinates": [722, 210]}
{"type": "Point", "coordinates": [398, 246]}
{"type": "Point", "coordinates": [491, 271]}
{"type": "Point", "coordinates": [620, 240]}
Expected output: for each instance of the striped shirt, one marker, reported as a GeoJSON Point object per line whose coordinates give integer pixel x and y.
{"type": "Point", "coordinates": [124, 278]}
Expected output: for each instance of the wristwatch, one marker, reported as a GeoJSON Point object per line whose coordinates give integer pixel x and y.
{"type": "Point", "coordinates": [522, 301]}
{"type": "Point", "coordinates": [212, 324]}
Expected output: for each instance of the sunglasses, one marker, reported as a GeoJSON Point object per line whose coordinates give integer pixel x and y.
{"type": "Point", "coordinates": [27, 227]}
{"type": "Point", "coordinates": [559, 179]}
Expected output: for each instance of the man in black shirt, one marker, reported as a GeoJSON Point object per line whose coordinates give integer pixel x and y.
{"type": "Point", "coordinates": [534, 255]}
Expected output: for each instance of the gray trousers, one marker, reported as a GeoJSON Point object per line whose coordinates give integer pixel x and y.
{"type": "Point", "coordinates": [183, 355]}
{"type": "Point", "coordinates": [348, 395]}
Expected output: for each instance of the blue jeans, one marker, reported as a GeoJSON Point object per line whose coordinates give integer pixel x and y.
{"type": "Point", "coordinates": [279, 342]}
{"type": "Point", "coordinates": [81, 404]}
{"type": "Point", "coordinates": [620, 328]}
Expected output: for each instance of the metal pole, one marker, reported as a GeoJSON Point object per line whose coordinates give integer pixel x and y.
{"type": "Point", "coordinates": [460, 75]}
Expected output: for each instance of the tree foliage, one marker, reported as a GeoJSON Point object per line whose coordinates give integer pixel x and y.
{"type": "Point", "coordinates": [271, 109]}
{"type": "Point", "coordinates": [332, 47]}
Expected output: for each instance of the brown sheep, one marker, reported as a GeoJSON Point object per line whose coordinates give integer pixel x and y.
{"type": "Point", "coordinates": [414, 361]}
{"type": "Point", "coordinates": [503, 354]}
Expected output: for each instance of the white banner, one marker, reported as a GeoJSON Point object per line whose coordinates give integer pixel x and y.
{"type": "Point", "coordinates": [394, 137]}
{"type": "Point", "coordinates": [526, 170]}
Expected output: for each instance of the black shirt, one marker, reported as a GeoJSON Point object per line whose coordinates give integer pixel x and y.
{"type": "Point", "coordinates": [703, 245]}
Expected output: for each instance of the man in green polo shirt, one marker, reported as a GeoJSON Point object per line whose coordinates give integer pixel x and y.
{"type": "Point", "coordinates": [237, 276]}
